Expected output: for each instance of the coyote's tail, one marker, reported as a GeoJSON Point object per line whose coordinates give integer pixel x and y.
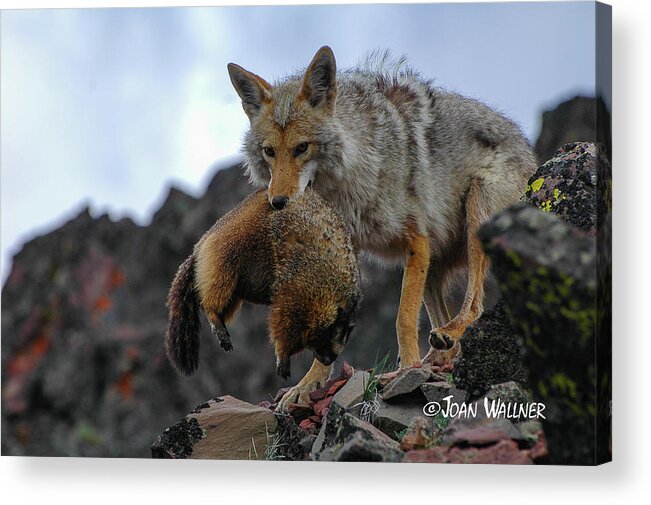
{"type": "Point", "coordinates": [184, 324]}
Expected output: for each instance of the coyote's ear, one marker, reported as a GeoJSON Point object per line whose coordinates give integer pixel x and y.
{"type": "Point", "coordinates": [320, 81]}
{"type": "Point", "coordinates": [253, 90]}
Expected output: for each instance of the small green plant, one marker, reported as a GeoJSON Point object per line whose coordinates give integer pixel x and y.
{"type": "Point", "coordinates": [272, 453]}
{"type": "Point", "coordinates": [370, 384]}
{"type": "Point", "coordinates": [369, 403]}
{"type": "Point", "coordinates": [401, 434]}
{"type": "Point", "coordinates": [274, 443]}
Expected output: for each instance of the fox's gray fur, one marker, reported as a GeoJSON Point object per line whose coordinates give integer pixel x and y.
{"type": "Point", "coordinates": [398, 150]}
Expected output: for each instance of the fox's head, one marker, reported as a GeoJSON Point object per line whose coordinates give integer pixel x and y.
{"type": "Point", "coordinates": [322, 326]}
{"type": "Point", "coordinates": [291, 126]}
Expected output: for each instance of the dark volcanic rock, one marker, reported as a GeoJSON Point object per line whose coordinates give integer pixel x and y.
{"type": "Point", "coordinates": [176, 442]}
{"type": "Point", "coordinates": [581, 119]}
{"type": "Point", "coordinates": [567, 184]}
{"type": "Point", "coordinates": [356, 440]}
{"type": "Point", "coordinates": [491, 354]}
{"type": "Point", "coordinates": [547, 274]}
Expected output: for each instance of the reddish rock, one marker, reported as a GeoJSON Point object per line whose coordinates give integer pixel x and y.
{"type": "Point", "coordinates": [336, 387]}
{"type": "Point", "coordinates": [433, 455]}
{"type": "Point", "coordinates": [347, 370]}
{"type": "Point", "coordinates": [539, 451]}
{"type": "Point", "coordinates": [505, 452]}
{"type": "Point", "coordinates": [299, 412]}
{"type": "Point", "coordinates": [480, 436]}
{"type": "Point", "coordinates": [319, 394]}
{"type": "Point", "coordinates": [309, 425]}
{"type": "Point", "coordinates": [321, 407]}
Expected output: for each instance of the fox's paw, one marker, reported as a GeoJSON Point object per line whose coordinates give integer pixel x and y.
{"type": "Point", "coordinates": [283, 368]}
{"type": "Point", "coordinates": [223, 336]}
{"type": "Point", "coordinates": [226, 345]}
{"type": "Point", "coordinates": [299, 394]}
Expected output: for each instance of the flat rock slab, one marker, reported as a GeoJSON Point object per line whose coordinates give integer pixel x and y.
{"type": "Point", "coordinates": [392, 418]}
{"type": "Point", "coordinates": [353, 391]}
{"type": "Point", "coordinates": [406, 382]}
{"type": "Point", "coordinates": [437, 391]}
{"type": "Point", "coordinates": [356, 440]}
{"type": "Point", "coordinates": [360, 449]}
{"type": "Point", "coordinates": [222, 428]}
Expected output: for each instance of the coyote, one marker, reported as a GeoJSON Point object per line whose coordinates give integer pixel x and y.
{"type": "Point", "coordinates": [299, 260]}
{"type": "Point", "coordinates": [414, 171]}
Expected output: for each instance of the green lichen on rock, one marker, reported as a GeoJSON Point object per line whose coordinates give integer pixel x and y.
{"type": "Point", "coordinates": [546, 270]}
{"type": "Point", "coordinates": [567, 184]}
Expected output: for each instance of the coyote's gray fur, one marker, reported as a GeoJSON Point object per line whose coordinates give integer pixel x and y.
{"type": "Point", "coordinates": [414, 171]}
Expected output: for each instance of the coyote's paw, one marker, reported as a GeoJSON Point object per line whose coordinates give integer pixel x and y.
{"type": "Point", "coordinates": [439, 340]}
{"type": "Point", "coordinates": [438, 357]}
{"type": "Point", "coordinates": [297, 394]}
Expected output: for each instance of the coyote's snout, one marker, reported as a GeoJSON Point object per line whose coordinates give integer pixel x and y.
{"type": "Point", "coordinates": [289, 133]}
{"type": "Point", "coordinates": [413, 169]}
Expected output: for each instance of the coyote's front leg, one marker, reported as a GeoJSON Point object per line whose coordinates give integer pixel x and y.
{"type": "Point", "coordinates": [411, 297]}
{"type": "Point", "coordinates": [315, 378]}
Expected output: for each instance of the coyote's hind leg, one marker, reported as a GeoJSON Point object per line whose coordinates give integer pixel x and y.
{"type": "Point", "coordinates": [444, 337]}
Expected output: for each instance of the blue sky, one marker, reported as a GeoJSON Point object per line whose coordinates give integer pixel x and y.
{"type": "Point", "coordinates": [108, 107]}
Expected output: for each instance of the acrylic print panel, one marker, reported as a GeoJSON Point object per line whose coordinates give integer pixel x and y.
{"type": "Point", "coordinates": [382, 233]}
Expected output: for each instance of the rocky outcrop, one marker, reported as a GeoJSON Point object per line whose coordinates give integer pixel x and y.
{"type": "Point", "coordinates": [547, 272]}
{"type": "Point", "coordinates": [222, 428]}
{"type": "Point", "coordinates": [348, 420]}
{"type": "Point", "coordinates": [582, 118]}
{"type": "Point", "coordinates": [566, 185]}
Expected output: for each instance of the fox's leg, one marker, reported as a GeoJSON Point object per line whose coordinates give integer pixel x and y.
{"type": "Point", "coordinates": [219, 304]}
{"type": "Point", "coordinates": [411, 298]}
{"type": "Point", "coordinates": [444, 337]}
{"type": "Point", "coordinates": [218, 320]}
{"type": "Point", "coordinates": [314, 379]}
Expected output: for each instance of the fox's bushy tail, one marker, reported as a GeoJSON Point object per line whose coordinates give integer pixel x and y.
{"type": "Point", "coordinates": [184, 323]}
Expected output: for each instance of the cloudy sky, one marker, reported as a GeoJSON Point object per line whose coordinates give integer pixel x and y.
{"type": "Point", "coordinates": [108, 107]}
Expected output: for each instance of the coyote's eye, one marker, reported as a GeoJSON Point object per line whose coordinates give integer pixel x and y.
{"type": "Point", "coordinates": [300, 149]}
{"type": "Point", "coordinates": [269, 151]}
